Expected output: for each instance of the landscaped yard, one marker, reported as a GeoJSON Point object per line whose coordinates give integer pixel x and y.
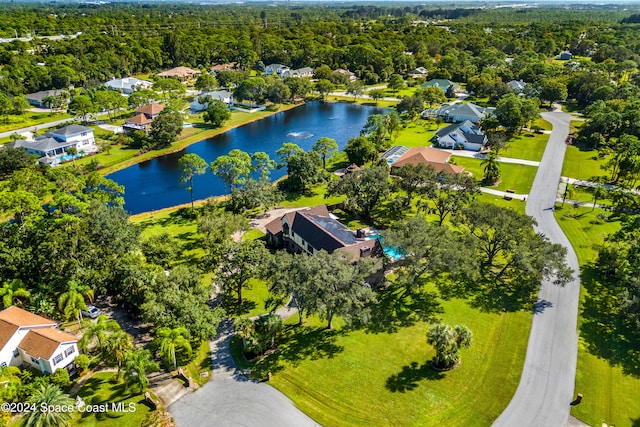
{"type": "Point", "coordinates": [528, 146]}
{"type": "Point", "coordinates": [100, 390]}
{"type": "Point", "coordinates": [358, 377]}
{"type": "Point", "coordinates": [513, 176]}
{"type": "Point", "coordinates": [30, 119]}
{"type": "Point", "coordinates": [583, 165]}
{"type": "Point", "coordinates": [610, 394]}
{"type": "Point", "coordinates": [417, 133]}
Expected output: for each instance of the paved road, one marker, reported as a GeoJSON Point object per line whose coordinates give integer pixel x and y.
{"type": "Point", "coordinates": [37, 127]}
{"type": "Point", "coordinates": [547, 384]}
{"type": "Point", "coordinates": [231, 400]}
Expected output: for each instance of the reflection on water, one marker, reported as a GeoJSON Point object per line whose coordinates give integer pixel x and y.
{"type": "Point", "coordinates": [154, 184]}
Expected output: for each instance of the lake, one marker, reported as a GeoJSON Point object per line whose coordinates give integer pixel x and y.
{"type": "Point", "coordinates": [154, 184]}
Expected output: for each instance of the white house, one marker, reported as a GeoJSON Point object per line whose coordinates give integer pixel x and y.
{"type": "Point", "coordinates": [32, 340]}
{"type": "Point", "coordinates": [220, 95]}
{"type": "Point", "coordinates": [300, 72]}
{"type": "Point", "coordinates": [464, 135]}
{"type": "Point", "coordinates": [279, 69]}
{"type": "Point", "coordinates": [128, 85]}
{"type": "Point", "coordinates": [52, 147]}
{"type": "Point", "coordinates": [517, 85]}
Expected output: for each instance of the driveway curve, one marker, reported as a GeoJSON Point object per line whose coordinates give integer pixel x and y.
{"type": "Point", "coordinates": [229, 399]}
{"type": "Point", "coordinates": [546, 387]}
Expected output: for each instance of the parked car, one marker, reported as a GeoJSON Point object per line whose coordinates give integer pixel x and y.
{"type": "Point", "coordinates": [92, 312]}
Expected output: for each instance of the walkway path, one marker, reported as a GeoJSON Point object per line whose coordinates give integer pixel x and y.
{"type": "Point", "coordinates": [547, 384]}
{"type": "Point", "coordinates": [476, 155]}
{"type": "Point", "coordinates": [230, 399]}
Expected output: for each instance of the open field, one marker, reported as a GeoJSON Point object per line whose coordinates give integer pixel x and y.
{"type": "Point", "coordinates": [345, 378]}
{"type": "Point", "coordinates": [604, 376]}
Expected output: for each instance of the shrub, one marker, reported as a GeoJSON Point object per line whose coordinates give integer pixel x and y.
{"type": "Point", "coordinates": [82, 362]}
{"type": "Point", "coordinates": [61, 378]}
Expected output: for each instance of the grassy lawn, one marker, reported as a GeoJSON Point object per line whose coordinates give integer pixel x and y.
{"type": "Point", "coordinates": [580, 164]}
{"type": "Point", "coordinates": [99, 390]}
{"type": "Point", "coordinates": [417, 134]}
{"type": "Point", "coordinates": [346, 378]}
{"type": "Point", "coordinates": [528, 146]}
{"type": "Point", "coordinates": [610, 392]}
{"type": "Point", "coordinates": [200, 363]}
{"type": "Point", "coordinates": [30, 119]}
{"type": "Point", "coordinates": [515, 177]}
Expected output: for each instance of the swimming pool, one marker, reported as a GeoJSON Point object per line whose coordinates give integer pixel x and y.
{"type": "Point", "coordinates": [392, 252]}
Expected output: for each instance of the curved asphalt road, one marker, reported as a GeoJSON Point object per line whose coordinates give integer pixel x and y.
{"type": "Point", "coordinates": [547, 383]}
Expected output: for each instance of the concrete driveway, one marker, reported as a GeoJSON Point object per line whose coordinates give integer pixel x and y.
{"type": "Point", "coordinates": [229, 399]}
{"type": "Point", "coordinates": [546, 387]}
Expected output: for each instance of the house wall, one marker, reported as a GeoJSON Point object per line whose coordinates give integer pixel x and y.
{"type": "Point", "coordinates": [7, 352]}
{"type": "Point", "coordinates": [62, 350]}
{"type": "Point", "coordinates": [85, 139]}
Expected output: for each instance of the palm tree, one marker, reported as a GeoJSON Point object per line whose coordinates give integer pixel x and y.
{"type": "Point", "coordinates": [491, 168]}
{"type": "Point", "coordinates": [14, 292]}
{"type": "Point", "coordinates": [137, 364]}
{"type": "Point", "coordinates": [117, 346]}
{"type": "Point", "coordinates": [70, 303]}
{"type": "Point", "coordinates": [268, 328]}
{"type": "Point", "coordinates": [568, 192]}
{"type": "Point", "coordinates": [598, 193]}
{"type": "Point", "coordinates": [98, 330]}
{"type": "Point", "coordinates": [244, 328]}
{"type": "Point", "coordinates": [447, 341]}
{"type": "Point", "coordinates": [46, 396]}
{"type": "Point", "coordinates": [170, 340]}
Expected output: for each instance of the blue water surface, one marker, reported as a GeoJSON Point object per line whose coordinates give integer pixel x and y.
{"type": "Point", "coordinates": [154, 184]}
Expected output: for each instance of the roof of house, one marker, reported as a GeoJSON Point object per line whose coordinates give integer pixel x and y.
{"type": "Point", "coordinates": [6, 332]}
{"type": "Point", "coordinates": [44, 342]}
{"type": "Point", "coordinates": [275, 226]}
{"type": "Point", "coordinates": [277, 67]}
{"type": "Point", "coordinates": [42, 144]}
{"type": "Point", "coordinates": [422, 155]}
{"type": "Point", "coordinates": [303, 70]}
{"type": "Point", "coordinates": [127, 83]}
{"type": "Point", "coordinates": [39, 96]}
{"type": "Point", "coordinates": [441, 83]}
{"type": "Point", "coordinates": [151, 109]}
{"type": "Point", "coordinates": [471, 132]}
{"type": "Point", "coordinates": [19, 317]}
{"type": "Point", "coordinates": [139, 119]}
{"type": "Point", "coordinates": [343, 71]}
{"type": "Point", "coordinates": [179, 72]}
{"type": "Point", "coordinates": [227, 66]}
{"type": "Point", "coordinates": [517, 85]}
{"type": "Point", "coordinates": [71, 130]}
{"type": "Point", "coordinates": [419, 70]}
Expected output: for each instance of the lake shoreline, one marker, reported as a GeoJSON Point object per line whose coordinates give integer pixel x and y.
{"type": "Point", "coordinates": [181, 144]}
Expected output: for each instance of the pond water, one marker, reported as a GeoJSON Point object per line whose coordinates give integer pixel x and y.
{"type": "Point", "coordinates": [154, 184]}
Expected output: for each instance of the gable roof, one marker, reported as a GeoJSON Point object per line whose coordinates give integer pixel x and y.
{"type": "Point", "coordinates": [179, 72]}
{"type": "Point", "coordinates": [44, 342]}
{"type": "Point", "coordinates": [151, 109]}
{"type": "Point", "coordinates": [127, 83]}
{"type": "Point", "coordinates": [422, 155]}
{"type": "Point", "coordinates": [274, 227]}
{"type": "Point", "coordinates": [71, 130]}
{"type": "Point", "coordinates": [441, 83]}
{"type": "Point", "coordinates": [19, 317]}
{"type": "Point", "coordinates": [472, 132]}
{"type": "Point", "coordinates": [41, 95]}
{"type": "Point", "coordinates": [139, 119]}
{"type": "Point", "coordinates": [6, 332]}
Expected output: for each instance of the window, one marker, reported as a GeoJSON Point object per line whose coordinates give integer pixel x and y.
{"type": "Point", "coordinates": [16, 352]}
{"type": "Point", "coordinates": [3, 364]}
{"type": "Point", "coordinates": [57, 359]}
{"type": "Point", "coordinates": [83, 134]}
{"type": "Point", "coordinates": [69, 351]}
{"type": "Point", "coordinates": [34, 360]}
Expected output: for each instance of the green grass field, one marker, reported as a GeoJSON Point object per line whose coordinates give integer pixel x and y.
{"type": "Point", "coordinates": [528, 146]}
{"type": "Point", "coordinates": [514, 176]}
{"type": "Point", "coordinates": [417, 134]}
{"type": "Point", "coordinates": [610, 394]}
{"type": "Point", "coordinates": [355, 377]}
{"type": "Point", "coordinates": [582, 164]}
{"type": "Point", "coordinates": [201, 363]}
{"type": "Point", "coordinates": [30, 119]}
{"type": "Point", "coordinates": [99, 390]}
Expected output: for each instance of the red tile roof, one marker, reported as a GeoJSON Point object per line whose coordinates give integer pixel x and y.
{"type": "Point", "coordinates": [139, 119]}
{"type": "Point", "coordinates": [429, 156]}
{"type": "Point", "coordinates": [151, 109]}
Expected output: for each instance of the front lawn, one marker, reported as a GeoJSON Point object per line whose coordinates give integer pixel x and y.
{"type": "Point", "coordinates": [359, 377]}
{"type": "Point", "coordinates": [201, 363]}
{"type": "Point", "coordinates": [513, 176]}
{"type": "Point", "coordinates": [29, 119]}
{"type": "Point", "coordinates": [418, 133]}
{"type": "Point", "coordinates": [528, 146]}
{"type": "Point", "coordinates": [100, 390]}
{"type": "Point", "coordinates": [581, 164]}
{"type": "Point", "coordinates": [604, 374]}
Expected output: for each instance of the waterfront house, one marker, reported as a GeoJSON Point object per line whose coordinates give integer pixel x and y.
{"type": "Point", "coordinates": [143, 118]}
{"type": "Point", "coordinates": [220, 95]}
{"type": "Point", "coordinates": [438, 159]}
{"type": "Point", "coordinates": [52, 148]}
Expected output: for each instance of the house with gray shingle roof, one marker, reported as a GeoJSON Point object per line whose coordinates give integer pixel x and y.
{"type": "Point", "coordinates": [465, 135]}
{"type": "Point", "coordinates": [457, 113]}
{"type": "Point", "coordinates": [52, 147]}
{"type": "Point", "coordinates": [442, 84]}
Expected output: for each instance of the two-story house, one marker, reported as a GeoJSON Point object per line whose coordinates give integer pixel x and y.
{"type": "Point", "coordinates": [32, 340]}
{"type": "Point", "coordinates": [143, 118]}
{"type": "Point", "coordinates": [52, 148]}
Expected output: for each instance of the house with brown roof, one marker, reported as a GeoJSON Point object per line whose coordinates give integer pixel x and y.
{"type": "Point", "coordinates": [311, 230]}
{"type": "Point", "coordinates": [429, 156]}
{"type": "Point", "coordinates": [180, 73]}
{"type": "Point", "coordinates": [143, 118]}
{"type": "Point", "coordinates": [32, 340]}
